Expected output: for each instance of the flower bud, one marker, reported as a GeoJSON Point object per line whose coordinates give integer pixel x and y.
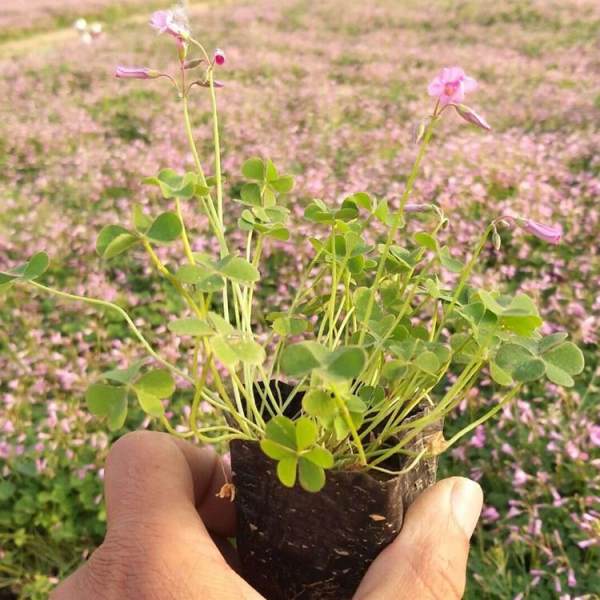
{"type": "Point", "coordinates": [192, 64]}
{"type": "Point", "coordinates": [420, 130]}
{"type": "Point", "coordinates": [496, 240]}
{"type": "Point", "coordinates": [411, 207]}
{"type": "Point", "coordinates": [547, 233]}
{"type": "Point", "coordinates": [219, 57]}
{"type": "Point", "coordinates": [136, 73]}
{"type": "Point", "coordinates": [469, 115]}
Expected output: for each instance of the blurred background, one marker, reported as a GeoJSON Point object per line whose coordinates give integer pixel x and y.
{"type": "Point", "coordinates": [332, 92]}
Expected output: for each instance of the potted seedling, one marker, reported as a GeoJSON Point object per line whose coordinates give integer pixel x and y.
{"type": "Point", "coordinates": [333, 405]}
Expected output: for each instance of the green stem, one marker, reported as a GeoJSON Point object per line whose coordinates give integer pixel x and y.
{"type": "Point", "coordinates": [125, 315]}
{"type": "Point", "coordinates": [396, 223]}
{"type": "Point", "coordinates": [348, 418]}
{"type": "Point", "coordinates": [464, 276]}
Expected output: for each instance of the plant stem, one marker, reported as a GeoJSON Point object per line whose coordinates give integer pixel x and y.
{"type": "Point", "coordinates": [398, 221]}
{"type": "Point", "coordinates": [125, 315]}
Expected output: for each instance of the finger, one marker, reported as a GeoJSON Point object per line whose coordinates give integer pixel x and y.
{"type": "Point", "coordinates": [428, 560]}
{"type": "Point", "coordinates": [210, 472]}
{"type": "Point", "coordinates": [157, 476]}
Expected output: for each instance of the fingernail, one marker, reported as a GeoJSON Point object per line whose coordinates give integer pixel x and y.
{"type": "Point", "coordinates": [466, 500]}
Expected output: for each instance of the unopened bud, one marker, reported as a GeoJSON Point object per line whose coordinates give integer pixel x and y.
{"type": "Point", "coordinates": [496, 240]}
{"type": "Point", "coordinates": [469, 115]}
{"type": "Point", "coordinates": [420, 130]}
{"type": "Point", "coordinates": [219, 57]}
{"type": "Point", "coordinates": [192, 64]}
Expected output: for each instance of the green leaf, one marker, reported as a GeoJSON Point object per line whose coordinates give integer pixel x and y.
{"type": "Point", "coordinates": [238, 268]}
{"type": "Point", "coordinates": [190, 326]}
{"type": "Point", "coordinates": [312, 477]}
{"type": "Point", "coordinates": [247, 350]}
{"type": "Point", "coordinates": [558, 376]}
{"type": "Point", "coordinates": [210, 284]}
{"type": "Point", "coordinates": [165, 228]}
{"type": "Point", "coordinates": [499, 375]}
{"type": "Point", "coordinates": [270, 171]}
{"type": "Point", "coordinates": [319, 403]}
{"type": "Point", "coordinates": [426, 240]}
{"type": "Point", "coordinates": [286, 471]}
{"type": "Point", "coordinates": [35, 266]}
{"type": "Point", "coordinates": [7, 278]}
{"type": "Point", "coordinates": [173, 185]}
{"type": "Point", "coordinates": [550, 341]}
{"type": "Point", "coordinates": [158, 382]}
{"type": "Point", "coordinates": [510, 356]}
{"type": "Point", "coordinates": [530, 371]}
{"type": "Point", "coordinates": [223, 351]}
{"type": "Point", "coordinates": [108, 234]}
{"type": "Point", "coordinates": [567, 356]}
{"type": "Point", "coordinates": [141, 222]}
{"type": "Point", "coordinates": [319, 456]}
{"type": "Point", "coordinates": [449, 262]}
{"type": "Point", "coordinates": [289, 326]}
{"type": "Point", "coordinates": [299, 359]}
{"type": "Point", "coordinates": [220, 324]}
{"type": "Point", "coordinates": [120, 244]}
{"type": "Point", "coordinates": [254, 168]}
{"type": "Point", "coordinates": [274, 450]}
{"type": "Point", "coordinates": [428, 362]}
{"type": "Point", "coordinates": [362, 199]}
{"type": "Point", "coordinates": [124, 375]}
{"type": "Point", "coordinates": [346, 363]}
{"type": "Point", "coordinates": [7, 489]}
{"type": "Point", "coordinates": [190, 274]}
{"type": "Point", "coordinates": [524, 325]}
{"type": "Point", "coordinates": [281, 430]}
{"type": "Point", "coordinates": [250, 194]}
{"type": "Point", "coordinates": [306, 433]}
{"type": "Point", "coordinates": [150, 403]}
{"type": "Point", "coordinates": [283, 184]}
{"type": "Point", "coordinates": [108, 401]}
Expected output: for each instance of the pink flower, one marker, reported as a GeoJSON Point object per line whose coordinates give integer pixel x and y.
{"type": "Point", "coordinates": [547, 233]}
{"type": "Point", "coordinates": [219, 57]}
{"type": "Point", "coordinates": [451, 85]}
{"type": "Point", "coordinates": [520, 477]}
{"type": "Point", "coordinates": [490, 514]}
{"type": "Point", "coordinates": [136, 73]}
{"type": "Point", "coordinates": [167, 21]}
{"type": "Point", "coordinates": [595, 435]}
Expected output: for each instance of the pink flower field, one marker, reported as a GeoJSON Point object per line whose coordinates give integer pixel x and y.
{"type": "Point", "coordinates": [332, 92]}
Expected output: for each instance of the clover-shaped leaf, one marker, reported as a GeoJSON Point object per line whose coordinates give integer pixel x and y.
{"type": "Point", "coordinates": [109, 402]}
{"type": "Point", "coordinates": [562, 361]}
{"type": "Point", "coordinates": [293, 445]}
{"type": "Point", "coordinates": [153, 387]}
{"type": "Point", "coordinates": [32, 269]}
{"type": "Point", "coordinates": [173, 185]}
{"type": "Point", "coordinates": [165, 228]}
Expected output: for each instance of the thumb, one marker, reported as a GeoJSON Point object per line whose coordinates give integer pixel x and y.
{"type": "Point", "coordinates": [428, 560]}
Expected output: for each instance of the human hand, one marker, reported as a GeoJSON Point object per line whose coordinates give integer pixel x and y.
{"type": "Point", "coordinates": [167, 533]}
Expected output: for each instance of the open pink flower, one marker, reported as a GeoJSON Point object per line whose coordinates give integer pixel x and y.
{"type": "Point", "coordinates": [451, 85]}
{"type": "Point", "coordinates": [167, 21]}
{"type": "Point", "coordinates": [136, 73]}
